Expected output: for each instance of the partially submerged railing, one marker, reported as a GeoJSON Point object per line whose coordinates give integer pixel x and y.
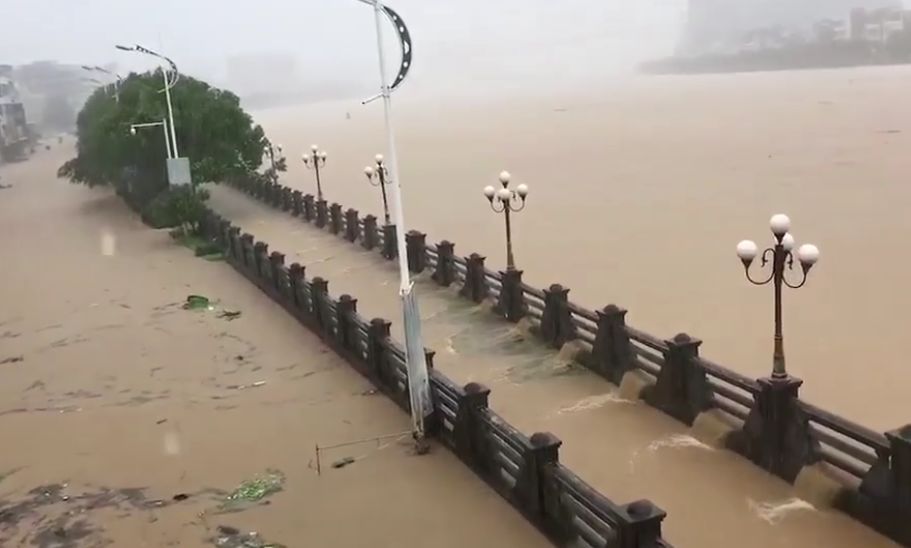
{"type": "Point", "coordinates": [525, 470]}
{"type": "Point", "coordinates": [769, 424]}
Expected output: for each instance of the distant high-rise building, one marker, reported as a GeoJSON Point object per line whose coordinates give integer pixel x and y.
{"type": "Point", "coordinates": [714, 25]}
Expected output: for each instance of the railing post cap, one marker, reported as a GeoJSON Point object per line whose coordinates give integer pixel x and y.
{"type": "Point", "coordinates": [380, 322]}
{"type": "Point", "coordinates": [346, 298]}
{"type": "Point", "coordinates": [476, 388]}
{"type": "Point", "coordinates": [682, 339]}
{"type": "Point", "coordinates": [614, 309]}
{"type": "Point", "coordinates": [642, 510]}
{"type": "Point", "coordinates": [540, 440]}
{"type": "Point", "coordinates": [476, 257]}
{"type": "Point", "coordinates": [557, 288]}
{"type": "Point", "coordinates": [901, 434]}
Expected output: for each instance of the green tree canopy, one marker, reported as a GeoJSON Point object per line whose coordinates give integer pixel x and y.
{"type": "Point", "coordinates": [213, 131]}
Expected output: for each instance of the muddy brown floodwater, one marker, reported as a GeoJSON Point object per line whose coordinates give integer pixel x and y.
{"type": "Point", "coordinates": [129, 420]}
{"type": "Point", "coordinates": [640, 191]}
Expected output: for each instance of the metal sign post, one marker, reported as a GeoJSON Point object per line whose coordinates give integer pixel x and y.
{"type": "Point", "coordinates": [416, 363]}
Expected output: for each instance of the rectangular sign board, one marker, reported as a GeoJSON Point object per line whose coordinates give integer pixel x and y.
{"type": "Point", "coordinates": [179, 171]}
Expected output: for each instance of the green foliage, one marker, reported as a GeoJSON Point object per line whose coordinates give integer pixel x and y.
{"type": "Point", "coordinates": [182, 207]}
{"type": "Point", "coordinates": [218, 137]}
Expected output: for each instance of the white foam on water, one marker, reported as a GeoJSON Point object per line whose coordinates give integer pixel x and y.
{"type": "Point", "coordinates": [674, 441]}
{"type": "Point", "coordinates": [774, 512]}
{"type": "Point", "coordinates": [449, 348]}
{"type": "Point", "coordinates": [108, 243]}
{"type": "Point", "coordinates": [171, 444]}
{"type": "Point", "coordinates": [677, 441]}
{"type": "Point", "coordinates": [592, 402]}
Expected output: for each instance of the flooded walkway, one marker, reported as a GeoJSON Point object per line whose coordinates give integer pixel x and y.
{"type": "Point", "coordinates": [622, 447]}
{"type": "Point", "coordinates": [128, 421]}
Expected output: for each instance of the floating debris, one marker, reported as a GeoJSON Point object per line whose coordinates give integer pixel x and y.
{"type": "Point", "coordinates": [196, 302]}
{"type": "Point", "coordinates": [231, 537]}
{"type": "Point", "coordinates": [256, 489]}
{"type": "Point", "coordinates": [341, 463]}
{"type": "Point", "coordinates": [180, 497]}
{"type": "Point", "coordinates": [229, 315]}
{"type": "Point", "coordinates": [14, 359]}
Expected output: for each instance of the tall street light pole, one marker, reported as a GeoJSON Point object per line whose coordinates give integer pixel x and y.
{"type": "Point", "coordinates": [507, 201]}
{"type": "Point", "coordinates": [782, 260]}
{"type": "Point", "coordinates": [117, 83]}
{"type": "Point", "coordinates": [169, 82]}
{"type": "Point", "coordinates": [415, 359]}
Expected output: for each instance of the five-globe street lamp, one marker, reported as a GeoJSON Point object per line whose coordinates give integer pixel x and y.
{"type": "Point", "coordinates": [315, 160]}
{"type": "Point", "coordinates": [379, 176]}
{"type": "Point", "coordinates": [506, 201]}
{"type": "Point", "coordinates": [781, 257]}
{"type": "Point", "coordinates": [275, 155]}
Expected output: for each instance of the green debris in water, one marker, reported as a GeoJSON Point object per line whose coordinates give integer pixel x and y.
{"type": "Point", "coordinates": [196, 302]}
{"type": "Point", "coordinates": [258, 488]}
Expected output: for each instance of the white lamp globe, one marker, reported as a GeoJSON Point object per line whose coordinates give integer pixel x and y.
{"type": "Point", "coordinates": [780, 224]}
{"type": "Point", "coordinates": [378, 158]}
{"type": "Point", "coordinates": [489, 191]}
{"type": "Point", "coordinates": [368, 171]}
{"type": "Point", "coordinates": [323, 155]}
{"type": "Point", "coordinates": [522, 191]}
{"type": "Point", "coordinates": [505, 177]}
{"type": "Point", "coordinates": [808, 254]}
{"type": "Point", "coordinates": [747, 250]}
{"type": "Point", "coordinates": [787, 242]}
{"type": "Point", "coordinates": [314, 148]}
{"type": "Point", "coordinates": [504, 194]}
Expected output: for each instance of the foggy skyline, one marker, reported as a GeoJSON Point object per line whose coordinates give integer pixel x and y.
{"type": "Point", "coordinates": [334, 40]}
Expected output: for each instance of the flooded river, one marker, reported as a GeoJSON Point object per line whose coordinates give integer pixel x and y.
{"type": "Point", "coordinates": [624, 448]}
{"type": "Point", "coordinates": [639, 193]}
{"type": "Point", "coordinates": [640, 190]}
{"type": "Point", "coordinates": [128, 421]}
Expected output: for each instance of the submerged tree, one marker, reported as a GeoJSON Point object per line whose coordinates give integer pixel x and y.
{"type": "Point", "coordinates": [213, 131]}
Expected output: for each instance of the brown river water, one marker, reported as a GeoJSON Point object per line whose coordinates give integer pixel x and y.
{"type": "Point", "coordinates": [633, 185]}
{"type": "Point", "coordinates": [639, 193]}
{"type": "Point", "coordinates": [122, 400]}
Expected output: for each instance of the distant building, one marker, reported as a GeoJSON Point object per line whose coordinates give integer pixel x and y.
{"type": "Point", "coordinates": [727, 26]}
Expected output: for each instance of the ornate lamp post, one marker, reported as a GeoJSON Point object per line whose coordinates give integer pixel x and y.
{"type": "Point", "coordinates": [379, 177]}
{"type": "Point", "coordinates": [315, 160]}
{"type": "Point", "coordinates": [275, 158]}
{"type": "Point", "coordinates": [507, 201]}
{"type": "Point", "coordinates": [782, 259]}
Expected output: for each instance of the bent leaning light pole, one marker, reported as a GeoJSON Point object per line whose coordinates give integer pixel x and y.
{"type": "Point", "coordinates": [117, 83]}
{"type": "Point", "coordinates": [782, 260]}
{"type": "Point", "coordinates": [415, 360]}
{"type": "Point", "coordinates": [169, 82]}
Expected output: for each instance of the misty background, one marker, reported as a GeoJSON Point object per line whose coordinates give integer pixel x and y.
{"type": "Point", "coordinates": [326, 48]}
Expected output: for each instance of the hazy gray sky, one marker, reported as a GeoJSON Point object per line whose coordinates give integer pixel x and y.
{"type": "Point", "coordinates": [459, 39]}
